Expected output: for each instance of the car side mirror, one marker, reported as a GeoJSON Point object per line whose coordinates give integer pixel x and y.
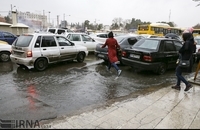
{"type": "Point", "coordinates": [72, 44]}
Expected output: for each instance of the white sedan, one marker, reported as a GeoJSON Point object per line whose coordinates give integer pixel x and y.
{"type": "Point", "coordinates": [84, 40]}
{"type": "Point", "coordinates": [5, 51]}
{"type": "Point", "coordinates": [99, 36]}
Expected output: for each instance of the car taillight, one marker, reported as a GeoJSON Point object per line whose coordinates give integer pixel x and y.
{"type": "Point", "coordinates": [124, 53]}
{"type": "Point", "coordinates": [29, 54]}
{"type": "Point", "coordinates": [147, 58]}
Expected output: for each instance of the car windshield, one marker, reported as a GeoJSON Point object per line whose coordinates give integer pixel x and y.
{"type": "Point", "coordinates": [146, 44]}
{"type": "Point", "coordinates": [23, 41]}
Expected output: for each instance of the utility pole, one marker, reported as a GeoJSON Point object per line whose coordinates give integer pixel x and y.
{"type": "Point", "coordinates": [57, 21]}
{"type": "Point", "coordinates": [169, 14]}
{"type": "Point", "coordinates": [43, 20]}
{"type": "Point", "coordinates": [49, 19]}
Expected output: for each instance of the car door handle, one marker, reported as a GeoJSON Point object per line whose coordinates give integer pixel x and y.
{"type": "Point", "coordinates": [45, 49]}
{"type": "Point", "coordinates": [62, 48]}
{"type": "Point", "coordinates": [169, 55]}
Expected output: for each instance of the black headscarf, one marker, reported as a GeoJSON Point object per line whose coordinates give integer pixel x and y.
{"type": "Point", "coordinates": [110, 34]}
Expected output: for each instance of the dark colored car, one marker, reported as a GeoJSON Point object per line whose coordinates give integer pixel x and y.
{"type": "Point", "coordinates": [124, 42]}
{"type": "Point", "coordinates": [8, 37]}
{"type": "Point", "coordinates": [155, 54]}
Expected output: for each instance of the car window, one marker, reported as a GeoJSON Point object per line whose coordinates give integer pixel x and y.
{"type": "Point", "coordinates": [48, 41]}
{"type": "Point", "coordinates": [147, 44]}
{"type": "Point", "coordinates": [23, 41]}
{"type": "Point", "coordinates": [102, 35]}
{"type": "Point", "coordinates": [132, 40]}
{"type": "Point", "coordinates": [169, 46]}
{"type": "Point", "coordinates": [60, 31]}
{"type": "Point", "coordinates": [178, 45]}
{"type": "Point", "coordinates": [75, 37]}
{"type": "Point", "coordinates": [119, 39]}
{"type": "Point", "coordinates": [86, 38]}
{"type": "Point", "coordinates": [62, 41]}
{"type": "Point", "coordinates": [38, 42]}
{"type": "Point", "coordinates": [52, 30]}
{"type": "Point", "coordinates": [7, 35]}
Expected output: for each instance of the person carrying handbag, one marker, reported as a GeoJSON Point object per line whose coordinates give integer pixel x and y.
{"type": "Point", "coordinates": [186, 52]}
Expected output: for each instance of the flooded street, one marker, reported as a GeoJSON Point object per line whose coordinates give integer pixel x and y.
{"type": "Point", "coordinates": [68, 88]}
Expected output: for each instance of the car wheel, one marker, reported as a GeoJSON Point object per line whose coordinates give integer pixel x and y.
{"type": "Point", "coordinates": [41, 64]}
{"type": "Point", "coordinates": [4, 56]}
{"type": "Point", "coordinates": [161, 69]}
{"type": "Point", "coordinates": [81, 57]}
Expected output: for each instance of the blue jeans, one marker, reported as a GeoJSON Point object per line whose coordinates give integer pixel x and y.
{"type": "Point", "coordinates": [180, 77]}
{"type": "Point", "coordinates": [112, 64]}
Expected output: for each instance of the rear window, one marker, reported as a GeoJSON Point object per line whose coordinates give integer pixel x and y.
{"type": "Point", "coordinates": [23, 41]}
{"type": "Point", "coordinates": [119, 39]}
{"type": "Point", "coordinates": [147, 44]}
{"type": "Point", "coordinates": [52, 30]}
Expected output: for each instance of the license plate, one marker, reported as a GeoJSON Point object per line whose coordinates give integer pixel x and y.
{"type": "Point", "coordinates": [135, 56]}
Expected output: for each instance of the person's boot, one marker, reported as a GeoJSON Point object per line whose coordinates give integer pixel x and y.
{"type": "Point", "coordinates": [188, 87]}
{"type": "Point", "coordinates": [176, 87]}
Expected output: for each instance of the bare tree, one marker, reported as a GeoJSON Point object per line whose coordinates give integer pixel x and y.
{"type": "Point", "coordinates": [197, 1]}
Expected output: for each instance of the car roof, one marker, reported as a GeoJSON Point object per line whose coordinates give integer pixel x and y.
{"type": "Point", "coordinates": [42, 33]}
{"type": "Point", "coordinates": [76, 33]}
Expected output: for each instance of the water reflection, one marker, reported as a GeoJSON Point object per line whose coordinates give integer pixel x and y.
{"type": "Point", "coordinates": [6, 67]}
{"type": "Point", "coordinates": [32, 95]}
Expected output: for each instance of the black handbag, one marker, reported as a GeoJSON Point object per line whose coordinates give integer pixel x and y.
{"type": "Point", "coordinates": [184, 63]}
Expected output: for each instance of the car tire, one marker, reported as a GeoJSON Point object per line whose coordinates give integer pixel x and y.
{"type": "Point", "coordinates": [41, 64]}
{"type": "Point", "coordinates": [5, 56]}
{"type": "Point", "coordinates": [81, 57]}
{"type": "Point", "coordinates": [161, 69]}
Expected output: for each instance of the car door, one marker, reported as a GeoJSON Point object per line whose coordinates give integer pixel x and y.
{"type": "Point", "coordinates": [67, 50]}
{"type": "Point", "coordinates": [49, 48]}
{"type": "Point", "coordinates": [75, 38]}
{"type": "Point", "coordinates": [171, 53]}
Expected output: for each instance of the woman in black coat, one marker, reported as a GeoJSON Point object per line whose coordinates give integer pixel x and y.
{"type": "Point", "coordinates": [186, 52]}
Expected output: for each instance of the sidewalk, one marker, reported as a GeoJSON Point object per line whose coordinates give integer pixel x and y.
{"type": "Point", "coordinates": [166, 108]}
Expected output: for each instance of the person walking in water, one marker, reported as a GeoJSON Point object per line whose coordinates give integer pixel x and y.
{"type": "Point", "coordinates": [112, 44]}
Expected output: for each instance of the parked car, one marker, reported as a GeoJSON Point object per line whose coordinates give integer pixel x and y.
{"type": "Point", "coordinates": [58, 30]}
{"type": "Point", "coordinates": [197, 40]}
{"type": "Point", "coordinates": [124, 42]}
{"type": "Point", "coordinates": [5, 51]}
{"type": "Point", "coordinates": [84, 40]}
{"type": "Point", "coordinates": [7, 37]}
{"type": "Point", "coordinates": [155, 54]}
{"type": "Point", "coordinates": [99, 36]}
{"type": "Point", "coordinates": [37, 50]}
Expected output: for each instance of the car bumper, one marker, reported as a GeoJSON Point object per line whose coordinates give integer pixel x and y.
{"type": "Point", "coordinates": [101, 55]}
{"type": "Point", "coordinates": [28, 62]}
{"type": "Point", "coordinates": [139, 64]}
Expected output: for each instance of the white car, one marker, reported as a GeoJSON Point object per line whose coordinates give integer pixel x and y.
{"type": "Point", "coordinates": [99, 36]}
{"type": "Point", "coordinates": [84, 40]}
{"type": "Point", "coordinates": [37, 50]}
{"type": "Point", "coordinates": [5, 51]}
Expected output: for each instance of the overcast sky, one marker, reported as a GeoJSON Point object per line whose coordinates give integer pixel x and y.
{"type": "Point", "coordinates": [184, 13]}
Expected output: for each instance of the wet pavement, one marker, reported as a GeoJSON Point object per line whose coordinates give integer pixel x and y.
{"type": "Point", "coordinates": [165, 108]}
